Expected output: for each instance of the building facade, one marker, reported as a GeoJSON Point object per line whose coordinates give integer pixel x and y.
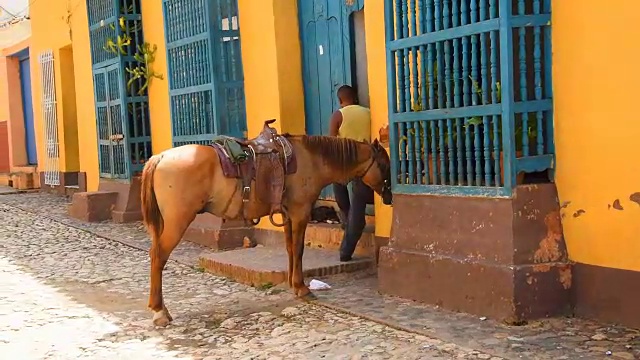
{"type": "Point", "coordinates": [18, 155]}
{"type": "Point", "coordinates": [492, 107]}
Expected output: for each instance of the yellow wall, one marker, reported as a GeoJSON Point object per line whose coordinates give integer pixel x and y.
{"type": "Point", "coordinates": [377, 69]}
{"type": "Point", "coordinates": [159, 106]}
{"type": "Point", "coordinates": [595, 74]}
{"type": "Point", "coordinates": [272, 67]}
{"type": "Point", "coordinates": [62, 25]}
{"type": "Point", "coordinates": [53, 24]}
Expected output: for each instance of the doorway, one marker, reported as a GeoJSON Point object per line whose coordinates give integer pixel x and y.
{"type": "Point", "coordinates": [27, 107]}
{"type": "Point", "coordinates": [332, 37]}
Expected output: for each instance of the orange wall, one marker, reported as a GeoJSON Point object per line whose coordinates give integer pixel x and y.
{"type": "Point", "coordinates": [595, 75]}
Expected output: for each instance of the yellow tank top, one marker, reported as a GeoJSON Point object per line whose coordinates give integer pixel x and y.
{"type": "Point", "coordinates": [356, 123]}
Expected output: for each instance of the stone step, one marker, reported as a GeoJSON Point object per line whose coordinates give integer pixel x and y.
{"type": "Point", "coordinates": [329, 237]}
{"type": "Point", "coordinates": [29, 169]}
{"type": "Point", "coordinates": [25, 180]}
{"type": "Point", "coordinates": [69, 190]}
{"type": "Point", "coordinates": [5, 179]}
{"type": "Point", "coordinates": [267, 265]}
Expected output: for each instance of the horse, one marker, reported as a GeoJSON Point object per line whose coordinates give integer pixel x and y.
{"type": "Point", "coordinates": [181, 182]}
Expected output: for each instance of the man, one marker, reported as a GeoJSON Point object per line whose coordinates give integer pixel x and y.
{"type": "Point", "coordinates": [351, 121]}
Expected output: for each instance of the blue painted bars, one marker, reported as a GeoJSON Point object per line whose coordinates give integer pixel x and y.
{"type": "Point", "coordinates": [206, 80]}
{"type": "Point", "coordinates": [464, 92]}
{"type": "Point", "coordinates": [122, 108]}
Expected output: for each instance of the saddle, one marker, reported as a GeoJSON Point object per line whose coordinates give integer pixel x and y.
{"type": "Point", "coordinates": [267, 159]}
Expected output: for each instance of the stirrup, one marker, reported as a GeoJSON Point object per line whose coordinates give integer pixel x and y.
{"type": "Point", "coordinates": [283, 213]}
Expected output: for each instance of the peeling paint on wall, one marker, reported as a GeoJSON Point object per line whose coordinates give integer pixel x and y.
{"type": "Point", "coordinates": [617, 205]}
{"type": "Point", "coordinates": [635, 197]}
{"type": "Point", "coordinates": [578, 213]}
{"type": "Point", "coordinates": [549, 248]}
{"type": "Point", "coordinates": [565, 276]}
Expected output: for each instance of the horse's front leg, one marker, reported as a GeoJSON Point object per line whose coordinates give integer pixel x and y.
{"type": "Point", "coordinates": [288, 235]}
{"type": "Point", "coordinates": [299, 227]}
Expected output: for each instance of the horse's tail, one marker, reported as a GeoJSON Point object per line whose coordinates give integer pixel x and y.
{"type": "Point", "coordinates": [151, 215]}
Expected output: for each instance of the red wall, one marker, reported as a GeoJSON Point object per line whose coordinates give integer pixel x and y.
{"type": "Point", "coordinates": [4, 147]}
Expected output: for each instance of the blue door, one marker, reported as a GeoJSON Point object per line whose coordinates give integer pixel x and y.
{"type": "Point", "coordinates": [27, 111]}
{"type": "Point", "coordinates": [325, 34]}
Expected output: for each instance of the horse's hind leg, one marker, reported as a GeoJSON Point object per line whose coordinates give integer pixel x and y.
{"type": "Point", "coordinates": [174, 227]}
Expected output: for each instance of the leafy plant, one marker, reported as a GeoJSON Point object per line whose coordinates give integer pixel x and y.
{"type": "Point", "coordinates": [144, 56]}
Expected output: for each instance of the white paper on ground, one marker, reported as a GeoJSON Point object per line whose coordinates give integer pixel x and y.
{"type": "Point", "coordinates": [318, 285]}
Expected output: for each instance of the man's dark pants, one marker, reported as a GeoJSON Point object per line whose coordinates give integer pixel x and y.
{"type": "Point", "coordinates": [354, 212]}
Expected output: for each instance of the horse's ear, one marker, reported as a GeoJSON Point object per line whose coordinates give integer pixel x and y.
{"type": "Point", "coordinates": [376, 143]}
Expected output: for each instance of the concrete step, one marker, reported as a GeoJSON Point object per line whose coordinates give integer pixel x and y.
{"type": "Point", "coordinates": [267, 265]}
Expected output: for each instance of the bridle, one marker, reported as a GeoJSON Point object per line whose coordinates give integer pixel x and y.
{"type": "Point", "coordinates": [386, 184]}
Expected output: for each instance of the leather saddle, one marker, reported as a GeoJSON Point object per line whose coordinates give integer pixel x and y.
{"type": "Point", "coordinates": [267, 159]}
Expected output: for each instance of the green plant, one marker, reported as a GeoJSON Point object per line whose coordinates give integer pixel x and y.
{"type": "Point", "coordinates": [145, 56]}
{"type": "Point", "coordinates": [141, 68]}
{"type": "Point", "coordinates": [476, 122]}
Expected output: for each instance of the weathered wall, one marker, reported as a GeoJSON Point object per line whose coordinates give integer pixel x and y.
{"type": "Point", "coordinates": [61, 26]}
{"type": "Point", "coordinates": [597, 130]}
{"type": "Point", "coordinates": [11, 104]}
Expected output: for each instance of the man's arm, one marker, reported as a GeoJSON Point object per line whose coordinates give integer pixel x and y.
{"type": "Point", "coordinates": [334, 123]}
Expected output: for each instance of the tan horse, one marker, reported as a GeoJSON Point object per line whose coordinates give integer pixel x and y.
{"type": "Point", "coordinates": [181, 182]}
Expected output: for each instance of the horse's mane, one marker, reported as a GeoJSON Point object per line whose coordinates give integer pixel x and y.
{"type": "Point", "coordinates": [340, 153]}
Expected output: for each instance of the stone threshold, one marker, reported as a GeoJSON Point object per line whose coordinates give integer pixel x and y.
{"type": "Point", "coordinates": [268, 265]}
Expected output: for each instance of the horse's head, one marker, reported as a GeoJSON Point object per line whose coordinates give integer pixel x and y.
{"type": "Point", "coordinates": [378, 174]}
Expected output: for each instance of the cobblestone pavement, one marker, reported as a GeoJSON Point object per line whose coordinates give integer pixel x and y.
{"type": "Point", "coordinates": [67, 293]}
{"type": "Point", "coordinates": [108, 281]}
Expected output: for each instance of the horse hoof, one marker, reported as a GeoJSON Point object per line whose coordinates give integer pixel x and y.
{"type": "Point", "coordinates": [305, 294]}
{"type": "Point", "coordinates": [162, 318]}
{"type": "Point", "coordinates": [308, 297]}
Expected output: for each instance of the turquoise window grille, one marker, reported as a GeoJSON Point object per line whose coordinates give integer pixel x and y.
{"type": "Point", "coordinates": [470, 94]}
{"type": "Point", "coordinates": [122, 113]}
{"type": "Point", "coordinates": [206, 80]}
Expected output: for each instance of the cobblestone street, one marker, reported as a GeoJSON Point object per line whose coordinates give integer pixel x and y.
{"type": "Point", "coordinates": [73, 290]}
{"type": "Point", "coordinates": [66, 293]}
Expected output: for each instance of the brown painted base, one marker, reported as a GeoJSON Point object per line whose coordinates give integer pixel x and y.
{"type": "Point", "coordinates": [211, 231]}
{"type": "Point", "coordinates": [115, 200]}
{"type": "Point", "coordinates": [127, 207]}
{"type": "Point", "coordinates": [92, 206]}
{"type": "Point", "coordinates": [606, 294]}
{"type": "Point", "coordinates": [503, 258]}
{"type": "Point", "coordinates": [69, 178]}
